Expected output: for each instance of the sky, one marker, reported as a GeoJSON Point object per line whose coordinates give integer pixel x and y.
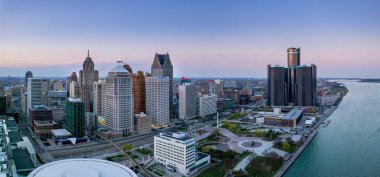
{"type": "Point", "coordinates": [204, 38]}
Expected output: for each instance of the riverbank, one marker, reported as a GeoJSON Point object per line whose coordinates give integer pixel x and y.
{"type": "Point", "coordinates": [299, 151]}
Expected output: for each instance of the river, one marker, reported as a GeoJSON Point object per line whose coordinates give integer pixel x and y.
{"type": "Point", "coordinates": [350, 145]}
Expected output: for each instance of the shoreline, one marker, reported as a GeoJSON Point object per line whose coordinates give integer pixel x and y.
{"type": "Point", "coordinates": [285, 167]}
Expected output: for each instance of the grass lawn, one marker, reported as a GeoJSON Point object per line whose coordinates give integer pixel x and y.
{"type": "Point", "coordinates": [264, 166]}
{"type": "Point", "coordinates": [215, 171]}
{"type": "Point", "coordinates": [144, 151]}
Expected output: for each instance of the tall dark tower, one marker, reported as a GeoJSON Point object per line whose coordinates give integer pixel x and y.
{"type": "Point", "coordinates": [306, 85]}
{"type": "Point", "coordinates": [162, 66]}
{"type": "Point", "coordinates": [87, 78]}
{"type": "Point", "coordinates": [277, 78]}
{"type": "Point", "coordinates": [293, 62]}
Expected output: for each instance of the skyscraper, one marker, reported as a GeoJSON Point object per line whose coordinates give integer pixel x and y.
{"type": "Point", "coordinates": [162, 66]}
{"type": "Point", "coordinates": [293, 62]}
{"type": "Point", "coordinates": [99, 90]}
{"type": "Point", "coordinates": [277, 87]}
{"type": "Point", "coordinates": [87, 78]}
{"type": "Point", "coordinates": [139, 92]}
{"type": "Point", "coordinates": [187, 101]}
{"type": "Point", "coordinates": [118, 97]}
{"type": "Point", "coordinates": [75, 117]}
{"type": "Point", "coordinates": [34, 92]}
{"type": "Point", "coordinates": [28, 75]}
{"type": "Point", "coordinates": [72, 77]}
{"type": "Point", "coordinates": [306, 85]}
{"type": "Point", "coordinates": [157, 102]}
{"type": "Point", "coordinates": [292, 85]}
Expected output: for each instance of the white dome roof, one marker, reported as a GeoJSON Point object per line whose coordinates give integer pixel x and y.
{"type": "Point", "coordinates": [82, 168]}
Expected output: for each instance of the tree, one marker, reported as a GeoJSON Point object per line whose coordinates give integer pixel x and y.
{"type": "Point", "coordinates": [206, 149]}
{"type": "Point", "coordinates": [286, 146]}
{"type": "Point", "coordinates": [127, 147]}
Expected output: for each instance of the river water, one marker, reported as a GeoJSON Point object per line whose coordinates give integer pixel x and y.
{"type": "Point", "coordinates": [350, 145]}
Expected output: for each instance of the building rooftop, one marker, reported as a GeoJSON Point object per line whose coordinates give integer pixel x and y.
{"type": "Point", "coordinates": [60, 132]}
{"type": "Point", "coordinates": [293, 114]}
{"type": "Point", "coordinates": [178, 136]}
{"type": "Point", "coordinates": [14, 137]}
{"type": "Point", "coordinates": [11, 123]}
{"type": "Point", "coordinates": [22, 161]}
{"type": "Point", "coordinates": [82, 167]}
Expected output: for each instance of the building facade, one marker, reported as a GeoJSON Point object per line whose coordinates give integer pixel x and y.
{"type": "Point", "coordinates": [157, 102]}
{"type": "Point", "coordinates": [207, 105]}
{"type": "Point", "coordinates": [139, 92]}
{"type": "Point", "coordinates": [175, 151]}
{"type": "Point", "coordinates": [277, 86]}
{"type": "Point", "coordinates": [187, 102]}
{"type": "Point", "coordinates": [306, 86]}
{"type": "Point", "coordinates": [99, 91]}
{"type": "Point", "coordinates": [118, 101]}
{"type": "Point", "coordinates": [162, 67]}
{"type": "Point", "coordinates": [88, 75]}
{"type": "Point", "coordinates": [75, 117]}
{"type": "Point", "coordinates": [143, 123]}
{"type": "Point", "coordinates": [34, 92]}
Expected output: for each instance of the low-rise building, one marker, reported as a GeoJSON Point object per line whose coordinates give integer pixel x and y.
{"type": "Point", "coordinates": [289, 120]}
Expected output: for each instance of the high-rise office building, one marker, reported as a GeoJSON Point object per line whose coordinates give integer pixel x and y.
{"type": "Point", "coordinates": [162, 67]}
{"type": "Point", "coordinates": [292, 85]}
{"type": "Point", "coordinates": [187, 101]}
{"type": "Point", "coordinates": [157, 102]}
{"type": "Point", "coordinates": [118, 101]}
{"type": "Point", "coordinates": [87, 78]}
{"type": "Point", "coordinates": [72, 77]}
{"type": "Point", "coordinates": [143, 123]}
{"type": "Point", "coordinates": [99, 90]}
{"type": "Point", "coordinates": [277, 87]}
{"type": "Point", "coordinates": [306, 85]}
{"type": "Point", "coordinates": [34, 92]}
{"type": "Point", "coordinates": [293, 62]}
{"type": "Point", "coordinates": [139, 92]}
{"type": "Point", "coordinates": [28, 75]}
{"type": "Point", "coordinates": [75, 114]}
{"type": "Point", "coordinates": [207, 105]}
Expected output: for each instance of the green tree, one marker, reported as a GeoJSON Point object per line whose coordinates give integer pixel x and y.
{"type": "Point", "coordinates": [127, 147]}
{"type": "Point", "coordinates": [206, 149]}
{"type": "Point", "coordinates": [286, 146]}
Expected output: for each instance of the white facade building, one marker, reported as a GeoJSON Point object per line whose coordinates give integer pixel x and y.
{"type": "Point", "coordinates": [207, 105]}
{"type": "Point", "coordinates": [74, 91]}
{"type": "Point", "coordinates": [157, 100]}
{"type": "Point", "coordinates": [175, 151]}
{"type": "Point", "coordinates": [118, 101]}
{"type": "Point", "coordinates": [34, 92]}
{"type": "Point", "coordinates": [99, 89]}
{"type": "Point", "coordinates": [187, 101]}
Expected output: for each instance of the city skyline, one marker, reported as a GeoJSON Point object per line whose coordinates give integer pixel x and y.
{"type": "Point", "coordinates": [52, 39]}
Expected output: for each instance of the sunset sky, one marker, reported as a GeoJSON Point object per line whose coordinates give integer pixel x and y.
{"type": "Point", "coordinates": [206, 38]}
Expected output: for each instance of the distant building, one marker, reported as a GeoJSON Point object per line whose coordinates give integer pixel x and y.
{"type": "Point", "coordinates": [3, 105]}
{"type": "Point", "coordinates": [57, 102]}
{"type": "Point", "coordinates": [163, 67]}
{"type": "Point", "coordinates": [28, 75]}
{"type": "Point", "coordinates": [207, 105]}
{"type": "Point", "coordinates": [34, 92]}
{"type": "Point", "coordinates": [88, 75]}
{"type": "Point", "coordinates": [72, 77]}
{"type": "Point", "coordinates": [57, 86]}
{"type": "Point", "coordinates": [139, 92]}
{"type": "Point", "coordinates": [143, 123]}
{"type": "Point", "coordinates": [157, 102]}
{"type": "Point", "coordinates": [177, 152]}
{"type": "Point", "coordinates": [187, 101]}
{"type": "Point", "coordinates": [40, 112]}
{"type": "Point", "coordinates": [75, 113]}
{"type": "Point", "coordinates": [99, 91]}
{"type": "Point", "coordinates": [118, 101]}
{"type": "Point", "coordinates": [90, 120]}
{"type": "Point", "coordinates": [74, 89]}
{"type": "Point", "coordinates": [229, 84]}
